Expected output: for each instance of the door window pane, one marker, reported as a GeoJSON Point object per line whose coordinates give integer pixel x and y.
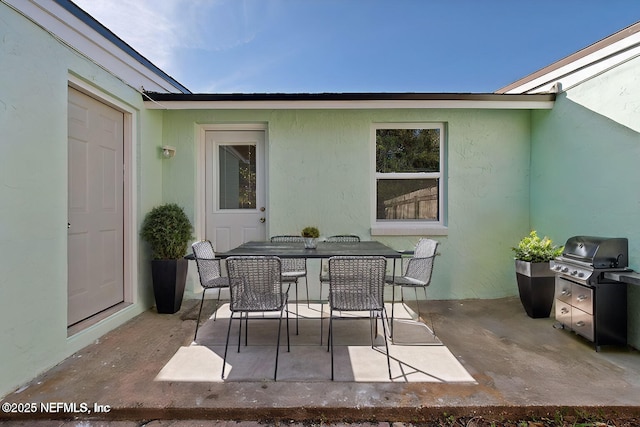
{"type": "Point", "coordinates": [237, 166]}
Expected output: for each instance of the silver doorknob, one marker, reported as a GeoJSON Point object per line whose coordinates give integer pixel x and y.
{"type": "Point", "coordinates": [262, 220]}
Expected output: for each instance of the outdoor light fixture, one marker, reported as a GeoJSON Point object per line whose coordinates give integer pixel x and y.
{"type": "Point", "coordinates": [168, 151]}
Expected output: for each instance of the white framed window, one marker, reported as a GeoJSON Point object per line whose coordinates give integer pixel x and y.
{"type": "Point", "coordinates": [409, 183]}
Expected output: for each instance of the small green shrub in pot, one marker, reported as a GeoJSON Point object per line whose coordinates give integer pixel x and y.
{"type": "Point", "coordinates": [168, 230]}
{"type": "Point", "coordinates": [534, 249]}
{"type": "Point", "coordinates": [310, 235]}
{"type": "Point", "coordinates": [536, 282]}
{"type": "Point", "coordinates": [312, 232]}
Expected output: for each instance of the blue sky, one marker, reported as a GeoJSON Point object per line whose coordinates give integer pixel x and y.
{"type": "Point", "coordinates": [310, 46]}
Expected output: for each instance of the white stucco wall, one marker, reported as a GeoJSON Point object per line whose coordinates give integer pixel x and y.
{"type": "Point", "coordinates": [34, 74]}
{"type": "Point", "coordinates": [319, 173]}
{"type": "Point", "coordinates": [585, 175]}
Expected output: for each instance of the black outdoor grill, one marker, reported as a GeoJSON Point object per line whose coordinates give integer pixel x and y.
{"type": "Point", "coordinates": [586, 302]}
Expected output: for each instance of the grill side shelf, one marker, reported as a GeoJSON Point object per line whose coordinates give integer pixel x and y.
{"type": "Point", "coordinates": [630, 277]}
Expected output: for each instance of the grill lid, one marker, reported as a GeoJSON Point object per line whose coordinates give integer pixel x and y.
{"type": "Point", "coordinates": [600, 252]}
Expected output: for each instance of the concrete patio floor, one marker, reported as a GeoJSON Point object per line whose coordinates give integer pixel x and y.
{"type": "Point", "coordinates": [521, 367]}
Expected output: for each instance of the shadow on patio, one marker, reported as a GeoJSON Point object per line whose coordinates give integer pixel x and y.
{"type": "Point", "coordinates": [519, 366]}
{"type": "Point", "coordinates": [416, 355]}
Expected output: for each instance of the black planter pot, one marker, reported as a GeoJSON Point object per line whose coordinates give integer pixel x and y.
{"type": "Point", "coordinates": [169, 279]}
{"type": "Point", "coordinates": [536, 285]}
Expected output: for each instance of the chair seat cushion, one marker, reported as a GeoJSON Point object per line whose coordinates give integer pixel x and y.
{"type": "Point", "coordinates": [293, 274]}
{"type": "Point", "coordinates": [404, 281]}
{"type": "Point", "coordinates": [218, 282]}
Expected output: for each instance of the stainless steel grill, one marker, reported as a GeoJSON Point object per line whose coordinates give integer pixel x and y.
{"type": "Point", "coordinates": [586, 302]}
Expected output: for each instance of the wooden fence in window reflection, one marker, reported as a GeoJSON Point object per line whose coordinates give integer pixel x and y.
{"type": "Point", "coordinates": [420, 204]}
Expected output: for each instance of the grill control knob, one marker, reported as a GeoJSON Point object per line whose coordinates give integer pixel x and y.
{"type": "Point", "coordinates": [565, 269]}
{"type": "Point", "coordinates": [581, 274]}
{"type": "Point", "coordinates": [574, 272]}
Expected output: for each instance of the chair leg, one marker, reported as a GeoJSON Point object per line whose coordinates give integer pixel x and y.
{"type": "Point", "coordinates": [372, 327]}
{"type": "Point", "coordinates": [415, 289]}
{"type": "Point", "coordinates": [321, 318]}
{"type": "Point", "coordinates": [199, 313]}
{"type": "Point", "coordinates": [321, 313]}
{"type": "Point", "coordinates": [330, 343]}
{"type": "Point", "coordinates": [275, 372]}
{"type": "Point", "coordinates": [433, 328]}
{"type": "Point", "coordinates": [297, 316]}
{"type": "Point", "coordinates": [215, 312]}
{"type": "Point", "coordinates": [386, 344]}
{"type": "Point", "coordinates": [306, 284]}
{"type": "Point", "coordinates": [226, 346]}
{"type": "Point", "coordinates": [329, 336]}
{"type": "Point", "coordinates": [246, 330]}
{"type": "Point", "coordinates": [288, 339]}
{"type": "Point", "coordinates": [284, 309]}
{"type": "Point", "coordinates": [393, 304]}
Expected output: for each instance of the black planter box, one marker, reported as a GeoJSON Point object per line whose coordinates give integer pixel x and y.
{"type": "Point", "coordinates": [169, 279]}
{"type": "Point", "coordinates": [536, 285]}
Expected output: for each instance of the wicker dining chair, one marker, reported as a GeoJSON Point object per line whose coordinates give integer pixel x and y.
{"type": "Point", "coordinates": [256, 287]}
{"type": "Point", "coordinates": [209, 272]}
{"type": "Point", "coordinates": [416, 274]}
{"type": "Point", "coordinates": [340, 238]}
{"type": "Point", "coordinates": [293, 268]}
{"type": "Point", "coordinates": [357, 284]}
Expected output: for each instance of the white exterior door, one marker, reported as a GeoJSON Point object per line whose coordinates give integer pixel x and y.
{"type": "Point", "coordinates": [95, 207]}
{"type": "Point", "coordinates": [235, 187]}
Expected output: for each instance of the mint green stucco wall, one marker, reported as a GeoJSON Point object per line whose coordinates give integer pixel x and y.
{"type": "Point", "coordinates": [319, 172]}
{"type": "Point", "coordinates": [34, 74]}
{"type": "Point", "coordinates": [585, 174]}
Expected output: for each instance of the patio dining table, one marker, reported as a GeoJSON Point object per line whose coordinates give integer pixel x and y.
{"type": "Point", "coordinates": [323, 250]}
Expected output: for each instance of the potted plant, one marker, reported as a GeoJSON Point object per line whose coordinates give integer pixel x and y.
{"type": "Point", "coordinates": [310, 235]}
{"type": "Point", "coordinates": [168, 230]}
{"type": "Point", "coordinates": [536, 281]}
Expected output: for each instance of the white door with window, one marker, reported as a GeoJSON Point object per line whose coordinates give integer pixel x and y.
{"type": "Point", "coordinates": [95, 247]}
{"type": "Point", "coordinates": [234, 187]}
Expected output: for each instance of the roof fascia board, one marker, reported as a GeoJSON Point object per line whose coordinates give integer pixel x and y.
{"type": "Point", "coordinates": [571, 76]}
{"type": "Point", "coordinates": [585, 63]}
{"type": "Point", "coordinates": [355, 105]}
{"type": "Point", "coordinates": [59, 21]}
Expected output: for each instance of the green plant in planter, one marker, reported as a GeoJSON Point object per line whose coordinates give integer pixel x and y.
{"type": "Point", "coordinates": [167, 229]}
{"type": "Point", "coordinates": [536, 281]}
{"type": "Point", "coordinates": [534, 249]}
{"type": "Point", "coordinates": [310, 235]}
{"type": "Point", "coordinates": [310, 232]}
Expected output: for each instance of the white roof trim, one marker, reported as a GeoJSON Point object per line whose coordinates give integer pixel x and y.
{"type": "Point", "coordinates": [582, 68]}
{"type": "Point", "coordinates": [354, 104]}
{"type": "Point", "coordinates": [69, 29]}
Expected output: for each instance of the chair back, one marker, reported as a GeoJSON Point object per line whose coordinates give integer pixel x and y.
{"type": "Point", "coordinates": [425, 248]}
{"type": "Point", "coordinates": [208, 265]}
{"type": "Point", "coordinates": [287, 239]}
{"type": "Point", "coordinates": [344, 238]}
{"type": "Point", "coordinates": [255, 283]}
{"type": "Point", "coordinates": [357, 283]}
{"type": "Point", "coordinates": [290, 265]}
{"type": "Point", "coordinates": [420, 266]}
